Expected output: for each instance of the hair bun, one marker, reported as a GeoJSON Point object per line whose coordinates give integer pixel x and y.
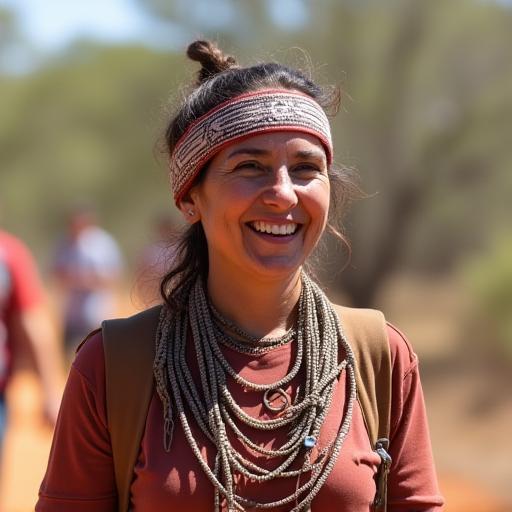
{"type": "Point", "coordinates": [211, 58]}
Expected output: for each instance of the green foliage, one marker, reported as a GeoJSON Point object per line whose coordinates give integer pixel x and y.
{"type": "Point", "coordinates": [490, 279]}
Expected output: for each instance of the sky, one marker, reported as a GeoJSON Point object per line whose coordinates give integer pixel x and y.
{"type": "Point", "coordinates": [52, 24]}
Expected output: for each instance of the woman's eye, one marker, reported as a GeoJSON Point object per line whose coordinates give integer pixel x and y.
{"type": "Point", "coordinates": [250, 165]}
{"type": "Point", "coordinates": [307, 169]}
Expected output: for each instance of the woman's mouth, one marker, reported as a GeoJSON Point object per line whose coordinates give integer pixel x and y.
{"type": "Point", "coordinates": [289, 228]}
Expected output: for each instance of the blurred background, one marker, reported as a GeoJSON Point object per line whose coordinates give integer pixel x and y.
{"type": "Point", "coordinates": [426, 120]}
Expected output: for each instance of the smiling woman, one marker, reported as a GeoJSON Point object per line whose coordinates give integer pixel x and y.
{"type": "Point", "coordinates": [260, 392]}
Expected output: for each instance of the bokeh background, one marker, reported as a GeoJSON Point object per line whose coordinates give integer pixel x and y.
{"type": "Point", "coordinates": [426, 120]}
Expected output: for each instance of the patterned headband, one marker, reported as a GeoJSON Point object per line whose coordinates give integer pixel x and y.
{"type": "Point", "coordinates": [268, 110]}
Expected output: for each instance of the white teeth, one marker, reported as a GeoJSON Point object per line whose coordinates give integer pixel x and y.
{"type": "Point", "coordinates": [274, 229]}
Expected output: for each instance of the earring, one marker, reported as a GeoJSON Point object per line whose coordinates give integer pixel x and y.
{"type": "Point", "coordinates": [191, 212]}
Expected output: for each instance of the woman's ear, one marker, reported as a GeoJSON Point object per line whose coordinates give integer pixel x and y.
{"type": "Point", "coordinates": [188, 207]}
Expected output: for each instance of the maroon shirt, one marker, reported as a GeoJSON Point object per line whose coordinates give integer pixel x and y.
{"type": "Point", "coordinates": [80, 473]}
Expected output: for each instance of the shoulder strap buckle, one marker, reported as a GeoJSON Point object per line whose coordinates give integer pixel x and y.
{"type": "Point", "coordinates": [381, 447]}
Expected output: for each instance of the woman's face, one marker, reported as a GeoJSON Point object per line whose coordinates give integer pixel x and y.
{"type": "Point", "coordinates": [263, 204]}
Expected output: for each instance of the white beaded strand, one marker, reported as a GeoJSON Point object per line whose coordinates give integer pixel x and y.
{"type": "Point", "coordinates": [211, 406]}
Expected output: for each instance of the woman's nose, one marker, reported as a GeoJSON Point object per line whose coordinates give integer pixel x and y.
{"type": "Point", "coordinates": [281, 191]}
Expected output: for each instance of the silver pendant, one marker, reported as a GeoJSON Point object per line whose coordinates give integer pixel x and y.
{"type": "Point", "coordinates": [270, 396]}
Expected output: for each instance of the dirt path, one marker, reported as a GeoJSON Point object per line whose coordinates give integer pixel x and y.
{"type": "Point", "coordinates": [26, 448]}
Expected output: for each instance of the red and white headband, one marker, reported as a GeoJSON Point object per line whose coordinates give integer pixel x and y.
{"type": "Point", "coordinates": [268, 110]}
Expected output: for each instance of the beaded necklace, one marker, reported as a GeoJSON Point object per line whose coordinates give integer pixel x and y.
{"type": "Point", "coordinates": [210, 405]}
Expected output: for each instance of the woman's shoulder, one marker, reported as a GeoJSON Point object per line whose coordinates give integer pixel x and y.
{"type": "Point", "coordinates": [89, 359]}
{"type": "Point", "coordinates": [366, 322]}
{"type": "Point", "coordinates": [403, 357]}
{"type": "Point", "coordinates": [135, 333]}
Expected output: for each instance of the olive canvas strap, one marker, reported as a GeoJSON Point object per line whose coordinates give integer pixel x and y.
{"type": "Point", "coordinates": [129, 348]}
{"type": "Point", "coordinates": [367, 335]}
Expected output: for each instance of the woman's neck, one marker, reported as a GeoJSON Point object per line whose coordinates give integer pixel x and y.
{"type": "Point", "coordinates": [261, 308]}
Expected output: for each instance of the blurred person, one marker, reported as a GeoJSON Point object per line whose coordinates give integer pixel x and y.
{"type": "Point", "coordinates": [248, 393]}
{"type": "Point", "coordinates": [25, 323]}
{"type": "Point", "coordinates": [88, 267]}
{"type": "Point", "coordinates": [155, 259]}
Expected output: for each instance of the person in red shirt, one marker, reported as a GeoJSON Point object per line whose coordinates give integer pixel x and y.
{"type": "Point", "coordinates": [254, 400]}
{"type": "Point", "coordinates": [24, 321]}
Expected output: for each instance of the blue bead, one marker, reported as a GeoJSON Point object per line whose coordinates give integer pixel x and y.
{"type": "Point", "coordinates": [309, 441]}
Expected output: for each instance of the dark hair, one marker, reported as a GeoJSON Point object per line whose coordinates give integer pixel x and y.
{"type": "Point", "coordinates": [219, 79]}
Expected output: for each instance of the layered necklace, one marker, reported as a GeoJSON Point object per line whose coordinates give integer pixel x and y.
{"type": "Point", "coordinates": [209, 405]}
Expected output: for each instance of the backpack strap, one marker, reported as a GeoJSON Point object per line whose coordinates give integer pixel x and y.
{"type": "Point", "coordinates": [129, 347]}
{"type": "Point", "coordinates": [367, 336]}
